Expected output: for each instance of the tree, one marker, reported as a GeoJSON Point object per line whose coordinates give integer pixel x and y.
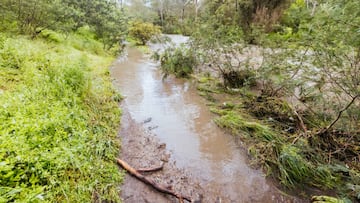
{"type": "Point", "coordinates": [34, 15]}
{"type": "Point", "coordinates": [143, 31]}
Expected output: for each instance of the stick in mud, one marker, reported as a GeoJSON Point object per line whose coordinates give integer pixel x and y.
{"type": "Point", "coordinates": [148, 170]}
{"type": "Point", "coordinates": [150, 182]}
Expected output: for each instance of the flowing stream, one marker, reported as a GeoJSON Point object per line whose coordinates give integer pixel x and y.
{"type": "Point", "coordinates": [178, 116]}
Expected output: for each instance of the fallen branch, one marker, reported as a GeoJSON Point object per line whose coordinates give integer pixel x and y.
{"type": "Point", "coordinates": [146, 170]}
{"type": "Point", "coordinates": [301, 122]}
{"type": "Point", "coordinates": [302, 126]}
{"type": "Point", "coordinates": [150, 182]}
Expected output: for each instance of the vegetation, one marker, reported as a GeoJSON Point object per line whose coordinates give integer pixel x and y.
{"type": "Point", "coordinates": [174, 16]}
{"type": "Point", "coordinates": [290, 69]}
{"type": "Point", "coordinates": [59, 115]}
{"type": "Point", "coordinates": [31, 17]}
{"type": "Point", "coordinates": [142, 32]}
{"type": "Point", "coordinates": [178, 61]}
{"type": "Point", "coordinates": [284, 75]}
{"type": "Point", "coordinates": [58, 129]}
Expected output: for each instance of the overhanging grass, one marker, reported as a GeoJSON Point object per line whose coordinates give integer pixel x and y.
{"type": "Point", "coordinates": [58, 123]}
{"type": "Point", "coordinates": [294, 165]}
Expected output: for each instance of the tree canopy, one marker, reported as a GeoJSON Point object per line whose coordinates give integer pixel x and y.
{"type": "Point", "coordinates": [104, 17]}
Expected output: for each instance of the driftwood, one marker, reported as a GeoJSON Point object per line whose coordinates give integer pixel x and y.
{"type": "Point", "coordinates": [150, 182]}
{"type": "Point", "coordinates": [146, 170]}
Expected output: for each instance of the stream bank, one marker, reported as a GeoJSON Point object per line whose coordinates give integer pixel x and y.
{"type": "Point", "coordinates": [166, 120]}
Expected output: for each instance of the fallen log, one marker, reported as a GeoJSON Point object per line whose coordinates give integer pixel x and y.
{"type": "Point", "coordinates": [150, 182]}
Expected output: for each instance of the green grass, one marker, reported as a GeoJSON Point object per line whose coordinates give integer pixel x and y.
{"type": "Point", "coordinates": [294, 165]}
{"type": "Point", "coordinates": [58, 121]}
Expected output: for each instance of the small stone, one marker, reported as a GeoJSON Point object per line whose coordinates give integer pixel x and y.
{"type": "Point", "coordinates": [162, 146]}
{"type": "Point", "coordinates": [147, 120]}
{"type": "Point", "coordinates": [165, 158]}
{"type": "Point", "coordinates": [152, 127]}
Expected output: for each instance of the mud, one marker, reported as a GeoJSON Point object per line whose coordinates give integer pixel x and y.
{"type": "Point", "coordinates": [142, 149]}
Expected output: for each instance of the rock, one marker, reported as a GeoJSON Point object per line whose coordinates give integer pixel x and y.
{"type": "Point", "coordinates": [147, 120]}
{"type": "Point", "coordinates": [162, 146]}
{"type": "Point", "coordinates": [152, 127]}
{"type": "Point", "coordinates": [165, 158]}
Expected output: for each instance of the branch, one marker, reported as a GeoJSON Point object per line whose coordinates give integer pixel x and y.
{"type": "Point", "coordinates": [150, 182]}
{"type": "Point", "coordinates": [145, 170]}
{"type": "Point", "coordinates": [339, 115]}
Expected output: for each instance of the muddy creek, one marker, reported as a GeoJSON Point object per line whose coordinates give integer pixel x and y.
{"type": "Point", "coordinates": [174, 112]}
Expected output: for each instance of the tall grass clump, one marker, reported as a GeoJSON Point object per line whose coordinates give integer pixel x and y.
{"type": "Point", "coordinates": [58, 123]}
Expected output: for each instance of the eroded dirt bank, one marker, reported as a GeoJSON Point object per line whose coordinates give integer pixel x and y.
{"type": "Point", "coordinates": [167, 121]}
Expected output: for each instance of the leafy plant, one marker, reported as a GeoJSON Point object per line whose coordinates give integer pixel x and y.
{"type": "Point", "coordinates": [143, 31]}
{"type": "Point", "coordinates": [179, 61]}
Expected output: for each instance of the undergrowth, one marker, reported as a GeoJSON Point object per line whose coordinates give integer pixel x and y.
{"type": "Point", "coordinates": [58, 120]}
{"type": "Point", "coordinates": [264, 123]}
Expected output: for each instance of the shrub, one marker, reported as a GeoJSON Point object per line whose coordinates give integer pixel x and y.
{"type": "Point", "coordinates": [239, 78]}
{"type": "Point", "coordinates": [51, 36]}
{"type": "Point", "coordinates": [143, 32]}
{"type": "Point", "coordinates": [178, 61]}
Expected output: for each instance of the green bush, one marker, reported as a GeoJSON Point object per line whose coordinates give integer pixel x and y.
{"type": "Point", "coordinates": [142, 32]}
{"type": "Point", "coordinates": [179, 61]}
{"type": "Point", "coordinates": [51, 36]}
{"type": "Point", "coordinates": [10, 55]}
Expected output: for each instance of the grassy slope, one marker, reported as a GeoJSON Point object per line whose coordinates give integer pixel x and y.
{"type": "Point", "coordinates": [58, 120]}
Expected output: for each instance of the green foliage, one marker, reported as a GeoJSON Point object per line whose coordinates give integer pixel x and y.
{"type": "Point", "coordinates": [179, 61]}
{"type": "Point", "coordinates": [58, 124]}
{"type": "Point", "coordinates": [305, 89]}
{"type": "Point", "coordinates": [51, 36]}
{"type": "Point", "coordinates": [289, 161]}
{"type": "Point", "coordinates": [294, 164]}
{"type": "Point", "coordinates": [142, 32]}
{"type": "Point", "coordinates": [84, 39]}
{"type": "Point", "coordinates": [296, 15]}
{"type": "Point", "coordinates": [328, 199]}
{"type": "Point", "coordinates": [173, 16]}
{"type": "Point", "coordinates": [245, 15]}
{"type": "Point", "coordinates": [36, 16]}
{"type": "Point", "coordinates": [239, 125]}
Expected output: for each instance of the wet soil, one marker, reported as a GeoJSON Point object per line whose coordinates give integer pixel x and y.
{"type": "Point", "coordinates": [142, 149]}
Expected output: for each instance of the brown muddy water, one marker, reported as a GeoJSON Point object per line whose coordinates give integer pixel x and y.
{"type": "Point", "coordinates": [174, 112]}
